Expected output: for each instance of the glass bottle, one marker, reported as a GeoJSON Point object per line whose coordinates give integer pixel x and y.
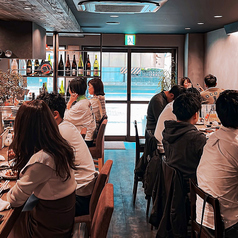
{"type": "Point", "coordinates": [22, 67]}
{"type": "Point", "coordinates": [67, 67]}
{"type": "Point", "coordinates": [95, 67]}
{"type": "Point", "coordinates": [50, 63]}
{"type": "Point", "coordinates": [74, 67]}
{"type": "Point", "coordinates": [62, 91]}
{"type": "Point", "coordinates": [36, 70]}
{"type": "Point", "coordinates": [29, 68]}
{"type": "Point", "coordinates": [67, 92]}
{"type": "Point", "coordinates": [88, 67]}
{"type": "Point", "coordinates": [14, 66]}
{"type": "Point", "coordinates": [61, 67]}
{"type": "Point", "coordinates": [80, 66]}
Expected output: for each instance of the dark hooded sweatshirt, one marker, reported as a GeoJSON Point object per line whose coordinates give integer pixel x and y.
{"type": "Point", "coordinates": [183, 145]}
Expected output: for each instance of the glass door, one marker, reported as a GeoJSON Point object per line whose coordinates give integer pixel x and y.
{"type": "Point", "coordinates": [131, 79]}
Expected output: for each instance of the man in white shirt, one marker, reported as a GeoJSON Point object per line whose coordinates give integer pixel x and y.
{"type": "Point", "coordinates": [217, 173]}
{"type": "Point", "coordinates": [166, 115]}
{"type": "Point", "coordinates": [210, 95]}
{"type": "Point", "coordinates": [85, 173]}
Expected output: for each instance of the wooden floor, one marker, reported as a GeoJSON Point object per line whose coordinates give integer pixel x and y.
{"type": "Point", "coordinates": [127, 221]}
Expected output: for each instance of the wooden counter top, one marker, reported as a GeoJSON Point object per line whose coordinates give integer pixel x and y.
{"type": "Point", "coordinates": [11, 215]}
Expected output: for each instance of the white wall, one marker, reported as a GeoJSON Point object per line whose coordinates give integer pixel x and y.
{"type": "Point", "coordinates": [221, 58]}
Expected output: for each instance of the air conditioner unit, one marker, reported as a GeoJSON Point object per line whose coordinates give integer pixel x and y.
{"type": "Point", "coordinates": [119, 7]}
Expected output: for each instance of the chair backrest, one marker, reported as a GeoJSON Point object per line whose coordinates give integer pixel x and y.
{"type": "Point", "coordinates": [174, 203]}
{"type": "Point", "coordinates": [137, 143]}
{"type": "Point", "coordinates": [214, 202]}
{"type": "Point", "coordinates": [100, 137]}
{"type": "Point", "coordinates": [103, 213]}
{"type": "Point", "coordinates": [99, 185]}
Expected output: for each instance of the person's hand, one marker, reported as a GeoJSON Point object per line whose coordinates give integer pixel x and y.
{"type": "Point", "coordinates": [73, 97]}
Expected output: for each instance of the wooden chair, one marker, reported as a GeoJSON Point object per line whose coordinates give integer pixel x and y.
{"type": "Point", "coordinates": [98, 187]}
{"type": "Point", "coordinates": [140, 146]}
{"type": "Point", "coordinates": [103, 213]}
{"type": "Point", "coordinates": [214, 202]}
{"type": "Point", "coordinates": [97, 151]}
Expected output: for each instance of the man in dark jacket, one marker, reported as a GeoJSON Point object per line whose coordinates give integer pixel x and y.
{"type": "Point", "coordinates": [183, 143]}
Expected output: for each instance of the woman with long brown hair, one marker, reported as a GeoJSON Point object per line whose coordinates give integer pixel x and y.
{"type": "Point", "coordinates": [45, 163]}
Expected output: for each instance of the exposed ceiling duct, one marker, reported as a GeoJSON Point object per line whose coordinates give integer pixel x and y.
{"type": "Point", "coordinates": [119, 7]}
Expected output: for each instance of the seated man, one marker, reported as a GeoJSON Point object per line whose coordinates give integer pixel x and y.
{"type": "Point", "coordinates": [217, 172]}
{"type": "Point", "coordinates": [85, 173]}
{"type": "Point", "coordinates": [210, 95]}
{"type": "Point", "coordinates": [166, 114]}
{"type": "Point", "coordinates": [183, 143]}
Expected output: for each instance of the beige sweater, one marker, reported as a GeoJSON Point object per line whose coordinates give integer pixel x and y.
{"type": "Point", "coordinates": [39, 177]}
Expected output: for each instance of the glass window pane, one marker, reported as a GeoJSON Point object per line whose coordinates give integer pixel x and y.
{"type": "Point", "coordinates": [138, 113]}
{"type": "Point", "coordinates": [116, 119]}
{"type": "Point", "coordinates": [114, 75]}
{"type": "Point", "coordinates": [35, 83]}
{"type": "Point", "coordinates": [147, 71]}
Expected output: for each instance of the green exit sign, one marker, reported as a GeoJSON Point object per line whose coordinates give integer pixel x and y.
{"type": "Point", "coordinates": [130, 39]}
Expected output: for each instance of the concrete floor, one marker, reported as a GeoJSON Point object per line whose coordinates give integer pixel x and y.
{"type": "Point", "coordinates": [127, 221]}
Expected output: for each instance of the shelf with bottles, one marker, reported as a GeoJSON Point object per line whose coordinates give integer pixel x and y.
{"type": "Point", "coordinates": [76, 68]}
{"type": "Point", "coordinates": [32, 68]}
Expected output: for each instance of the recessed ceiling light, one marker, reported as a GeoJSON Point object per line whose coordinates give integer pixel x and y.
{"type": "Point", "coordinates": [217, 16]}
{"type": "Point", "coordinates": [187, 28]}
{"type": "Point", "coordinates": [114, 16]}
{"type": "Point", "coordinates": [200, 23]}
{"type": "Point", "coordinates": [113, 23]}
{"type": "Point", "coordinates": [27, 8]}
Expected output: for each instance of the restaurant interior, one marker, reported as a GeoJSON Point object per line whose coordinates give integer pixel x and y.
{"type": "Point", "coordinates": [196, 37]}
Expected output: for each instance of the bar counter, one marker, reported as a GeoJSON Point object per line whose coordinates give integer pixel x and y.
{"type": "Point", "coordinates": [10, 215]}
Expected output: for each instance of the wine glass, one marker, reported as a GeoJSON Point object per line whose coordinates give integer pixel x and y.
{"type": "Point", "coordinates": [8, 53]}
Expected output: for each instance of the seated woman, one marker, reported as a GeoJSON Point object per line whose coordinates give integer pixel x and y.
{"type": "Point", "coordinates": [95, 88]}
{"type": "Point", "coordinates": [80, 114]}
{"type": "Point", "coordinates": [45, 163]}
{"type": "Point", "coordinates": [186, 82]}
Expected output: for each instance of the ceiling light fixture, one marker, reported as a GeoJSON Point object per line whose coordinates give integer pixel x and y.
{"type": "Point", "coordinates": [200, 23]}
{"type": "Point", "coordinates": [217, 16]}
{"type": "Point", "coordinates": [187, 28]}
{"type": "Point", "coordinates": [119, 7]}
{"type": "Point", "coordinates": [114, 16]}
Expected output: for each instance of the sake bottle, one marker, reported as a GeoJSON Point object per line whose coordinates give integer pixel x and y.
{"type": "Point", "coordinates": [61, 67]}
{"type": "Point", "coordinates": [62, 91]}
{"type": "Point", "coordinates": [80, 66]}
{"type": "Point", "coordinates": [67, 67]}
{"type": "Point", "coordinates": [74, 67]}
{"type": "Point", "coordinates": [95, 67]}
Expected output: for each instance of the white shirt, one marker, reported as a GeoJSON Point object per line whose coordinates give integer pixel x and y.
{"type": "Point", "coordinates": [84, 174]}
{"type": "Point", "coordinates": [166, 114]}
{"type": "Point", "coordinates": [81, 116]}
{"type": "Point", "coordinates": [39, 177]}
{"type": "Point", "coordinates": [217, 175]}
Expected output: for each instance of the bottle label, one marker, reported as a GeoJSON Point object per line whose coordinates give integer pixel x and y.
{"type": "Point", "coordinates": [80, 72]}
{"type": "Point", "coordinates": [67, 72]}
{"type": "Point", "coordinates": [28, 70]}
{"type": "Point", "coordinates": [95, 72]}
{"type": "Point", "coordinates": [88, 72]}
{"type": "Point", "coordinates": [74, 72]}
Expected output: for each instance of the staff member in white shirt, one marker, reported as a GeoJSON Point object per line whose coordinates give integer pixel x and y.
{"type": "Point", "coordinates": [80, 114]}
{"type": "Point", "coordinates": [85, 173]}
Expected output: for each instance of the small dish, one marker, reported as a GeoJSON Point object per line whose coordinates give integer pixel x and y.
{"type": "Point", "coordinates": [8, 174]}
